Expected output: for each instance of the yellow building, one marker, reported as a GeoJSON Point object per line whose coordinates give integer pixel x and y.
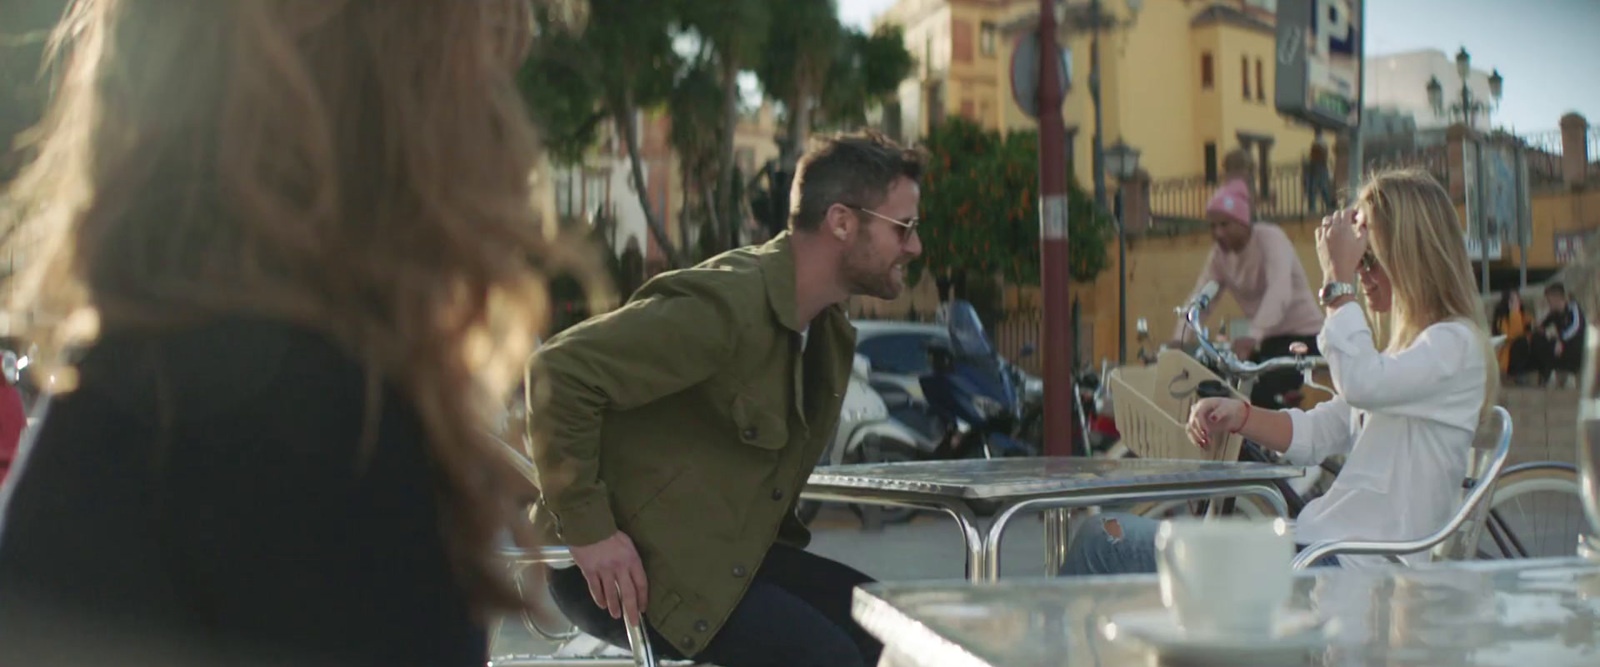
{"type": "Point", "coordinates": [1183, 81]}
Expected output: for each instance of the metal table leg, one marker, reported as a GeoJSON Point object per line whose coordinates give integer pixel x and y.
{"type": "Point", "coordinates": [1056, 530]}
{"type": "Point", "coordinates": [972, 539]}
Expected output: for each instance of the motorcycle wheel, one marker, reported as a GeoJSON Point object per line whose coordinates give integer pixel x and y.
{"type": "Point", "coordinates": [880, 450]}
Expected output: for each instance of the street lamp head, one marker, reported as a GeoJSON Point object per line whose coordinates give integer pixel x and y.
{"type": "Point", "coordinates": [1435, 94]}
{"type": "Point", "coordinates": [1495, 82]}
{"type": "Point", "coordinates": [1463, 64]}
{"type": "Point", "coordinates": [1122, 160]}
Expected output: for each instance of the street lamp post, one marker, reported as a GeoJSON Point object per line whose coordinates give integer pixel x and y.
{"type": "Point", "coordinates": [1469, 106]}
{"type": "Point", "coordinates": [1096, 21]}
{"type": "Point", "coordinates": [1123, 162]}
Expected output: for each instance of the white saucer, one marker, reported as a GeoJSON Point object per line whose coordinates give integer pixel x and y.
{"type": "Point", "coordinates": [1295, 632]}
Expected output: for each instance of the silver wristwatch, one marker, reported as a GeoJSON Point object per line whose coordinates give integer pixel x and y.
{"type": "Point", "coordinates": [1332, 291]}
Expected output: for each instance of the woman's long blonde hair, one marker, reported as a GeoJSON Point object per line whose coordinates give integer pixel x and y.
{"type": "Point", "coordinates": [1417, 239]}
{"type": "Point", "coordinates": [358, 167]}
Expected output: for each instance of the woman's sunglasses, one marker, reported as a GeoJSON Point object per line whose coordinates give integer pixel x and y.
{"type": "Point", "coordinates": [1369, 261]}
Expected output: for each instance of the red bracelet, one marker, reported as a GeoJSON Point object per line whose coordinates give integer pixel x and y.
{"type": "Point", "coordinates": [1244, 421]}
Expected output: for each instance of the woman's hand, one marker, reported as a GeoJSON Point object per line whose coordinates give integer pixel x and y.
{"type": "Point", "coordinates": [1211, 415]}
{"type": "Point", "coordinates": [1340, 246]}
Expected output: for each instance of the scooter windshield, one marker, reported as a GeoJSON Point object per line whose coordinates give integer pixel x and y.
{"type": "Point", "coordinates": [966, 331]}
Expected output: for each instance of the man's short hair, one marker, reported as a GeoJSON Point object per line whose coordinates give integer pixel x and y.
{"type": "Point", "coordinates": [1556, 288]}
{"type": "Point", "coordinates": [849, 169]}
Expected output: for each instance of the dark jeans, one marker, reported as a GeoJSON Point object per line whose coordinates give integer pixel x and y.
{"type": "Point", "coordinates": [1270, 388]}
{"type": "Point", "coordinates": [1319, 189]}
{"type": "Point", "coordinates": [1521, 358]}
{"type": "Point", "coordinates": [796, 614]}
{"type": "Point", "coordinates": [1546, 361]}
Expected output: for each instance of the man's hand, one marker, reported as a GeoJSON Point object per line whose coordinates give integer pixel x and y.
{"type": "Point", "coordinates": [1244, 347]}
{"type": "Point", "coordinates": [615, 575]}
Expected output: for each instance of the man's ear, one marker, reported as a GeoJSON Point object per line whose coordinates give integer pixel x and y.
{"type": "Point", "coordinates": [840, 222]}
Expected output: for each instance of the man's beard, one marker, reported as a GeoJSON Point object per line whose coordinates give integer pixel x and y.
{"type": "Point", "coordinates": [864, 279]}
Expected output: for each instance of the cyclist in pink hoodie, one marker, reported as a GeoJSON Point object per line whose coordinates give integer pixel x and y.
{"type": "Point", "coordinates": [1257, 263]}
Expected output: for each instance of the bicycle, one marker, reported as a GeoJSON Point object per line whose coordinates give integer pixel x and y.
{"type": "Point", "coordinates": [1240, 377]}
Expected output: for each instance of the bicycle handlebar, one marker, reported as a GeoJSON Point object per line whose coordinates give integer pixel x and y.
{"type": "Point", "coordinates": [1232, 364]}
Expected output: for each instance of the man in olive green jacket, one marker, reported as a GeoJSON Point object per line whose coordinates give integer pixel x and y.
{"type": "Point", "coordinates": [674, 435]}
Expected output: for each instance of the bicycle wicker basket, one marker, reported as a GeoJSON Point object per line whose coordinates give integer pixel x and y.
{"type": "Point", "coordinates": [1151, 405]}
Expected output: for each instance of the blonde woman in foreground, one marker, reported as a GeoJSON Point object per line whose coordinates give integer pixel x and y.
{"type": "Point", "coordinates": [1405, 415]}
{"type": "Point", "coordinates": [303, 229]}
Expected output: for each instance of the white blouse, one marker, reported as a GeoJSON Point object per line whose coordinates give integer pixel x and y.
{"type": "Point", "coordinates": [1405, 422]}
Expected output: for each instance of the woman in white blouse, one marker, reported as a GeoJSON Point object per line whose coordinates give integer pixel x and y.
{"type": "Point", "coordinates": [1405, 414]}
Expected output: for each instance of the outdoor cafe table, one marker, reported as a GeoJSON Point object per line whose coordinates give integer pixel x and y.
{"type": "Point", "coordinates": [1521, 613]}
{"type": "Point", "coordinates": [969, 488]}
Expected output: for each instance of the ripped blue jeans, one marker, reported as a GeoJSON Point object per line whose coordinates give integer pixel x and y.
{"type": "Point", "coordinates": [1127, 548]}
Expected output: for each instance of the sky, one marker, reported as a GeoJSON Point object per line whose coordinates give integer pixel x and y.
{"type": "Point", "coordinates": [1547, 50]}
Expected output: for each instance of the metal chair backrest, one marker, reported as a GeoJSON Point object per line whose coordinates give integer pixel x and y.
{"type": "Point", "coordinates": [551, 556]}
{"type": "Point", "coordinates": [1490, 450]}
{"type": "Point", "coordinates": [1458, 538]}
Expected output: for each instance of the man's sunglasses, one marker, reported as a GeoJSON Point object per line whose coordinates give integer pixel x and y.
{"type": "Point", "coordinates": [907, 227]}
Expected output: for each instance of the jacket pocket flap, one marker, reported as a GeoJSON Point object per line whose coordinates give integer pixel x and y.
{"type": "Point", "coordinates": [758, 425]}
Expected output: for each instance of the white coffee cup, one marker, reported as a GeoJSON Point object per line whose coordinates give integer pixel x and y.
{"type": "Point", "coordinates": [1225, 577]}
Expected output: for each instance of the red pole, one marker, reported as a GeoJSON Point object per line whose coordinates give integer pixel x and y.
{"type": "Point", "coordinates": [1059, 395]}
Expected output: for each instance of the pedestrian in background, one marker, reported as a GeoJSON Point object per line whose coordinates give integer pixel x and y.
{"type": "Point", "coordinates": [1511, 319]}
{"type": "Point", "coordinates": [1558, 344]}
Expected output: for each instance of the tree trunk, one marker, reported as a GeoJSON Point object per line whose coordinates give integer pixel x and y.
{"type": "Point", "coordinates": [730, 120]}
{"type": "Point", "coordinates": [685, 221]}
{"type": "Point", "coordinates": [799, 123]}
{"type": "Point", "coordinates": [630, 136]}
{"type": "Point", "coordinates": [711, 210]}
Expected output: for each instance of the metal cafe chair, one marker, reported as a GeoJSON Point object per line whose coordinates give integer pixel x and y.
{"type": "Point", "coordinates": [519, 560]}
{"type": "Point", "coordinates": [1458, 538]}
{"type": "Point", "coordinates": [638, 639]}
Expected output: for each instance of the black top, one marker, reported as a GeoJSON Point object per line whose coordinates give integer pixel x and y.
{"type": "Point", "coordinates": [202, 498]}
{"type": "Point", "coordinates": [1568, 323]}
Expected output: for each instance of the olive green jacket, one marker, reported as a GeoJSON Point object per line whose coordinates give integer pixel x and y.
{"type": "Point", "coordinates": [681, 420]}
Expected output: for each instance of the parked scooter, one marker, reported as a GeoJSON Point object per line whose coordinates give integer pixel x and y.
{"type": "Point", "coordinates": [972, 394]}
{"type": "Point", "coordinates": [865, 434]}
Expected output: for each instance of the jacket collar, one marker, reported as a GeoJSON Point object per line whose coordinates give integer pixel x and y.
{"type": "Point", "coordinates": [778, 271]}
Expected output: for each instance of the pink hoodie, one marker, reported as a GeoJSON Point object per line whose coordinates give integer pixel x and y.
{"type": "Point", "coordinates": [1266, 277]}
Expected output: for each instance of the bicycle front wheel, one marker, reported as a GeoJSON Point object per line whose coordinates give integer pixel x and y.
{"type": "Point", "coordinates": [1535, 513]}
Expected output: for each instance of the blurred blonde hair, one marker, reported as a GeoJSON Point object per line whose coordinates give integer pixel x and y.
{"type": "Point", "coordinates": [1417, 239]}
{"type": "Point", "coordinates": [357, 167]}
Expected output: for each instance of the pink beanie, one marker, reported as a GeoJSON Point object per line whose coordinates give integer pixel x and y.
{"type": "Point", "coordinates": [1232, 201]}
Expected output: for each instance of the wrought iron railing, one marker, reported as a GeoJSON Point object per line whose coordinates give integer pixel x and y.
{"type": "Point", "coordinates": [1282, 191]}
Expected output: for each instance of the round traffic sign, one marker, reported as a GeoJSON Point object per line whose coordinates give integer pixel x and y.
{"type": "Point", "coordinates": [1025, 73]}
